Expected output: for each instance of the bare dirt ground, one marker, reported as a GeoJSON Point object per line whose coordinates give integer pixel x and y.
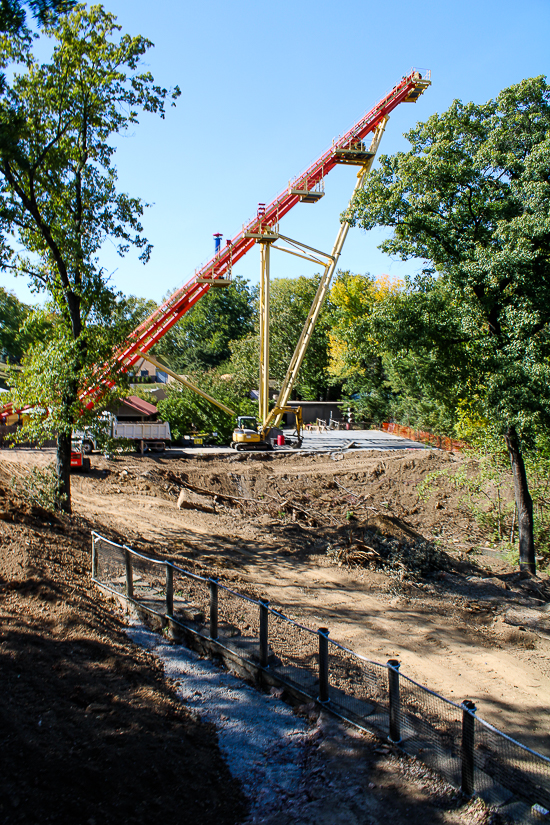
{"type": "Point", "coordinates": [337, 543]}
{"type": "Point", "coordinates": [91, 731]}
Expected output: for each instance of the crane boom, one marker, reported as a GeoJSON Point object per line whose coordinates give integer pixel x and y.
{"type": "Point", "coordinates": [342, 151]}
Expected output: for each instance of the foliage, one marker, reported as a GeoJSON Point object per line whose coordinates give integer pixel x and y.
{"type": "Point", "coordinates": [356, 353]}
{"type": "Point", "coordinates": [187, 412]}
{"type": "Point", "coordinates": [471, 198]}
{"type": "Point", "coordinates": [135, 310]}
{"type": "Point", "coordinates": [200, 341]}
{"type": "Point", "coordinates": [13, 15]}
{"type": "Point", "coordinates": [59, 201]}
{"type": "Point", "coordinates": [13, 337]}
{"type": "Point", "coordinates": [51, 369]}
{"type": "Point", "coordinates": [290, 302]}
{"type": "Point", "coordinates": [487, 490]}
{"type": "Point", "coordinates": [537, 461]}
{"type": "Point", "coordinates": [424, 358]}
{"type": "Point", "coordinates": [243, 364]}
{"type": "Point", "coordinates": [354, 348]}
{"type": "Point", "coordinates": [38, 486]}
{"type": "Point", "coordinates": [485, 482]}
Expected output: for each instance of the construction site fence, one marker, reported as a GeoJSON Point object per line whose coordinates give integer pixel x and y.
{"type": "Point", "coordinates": [442, 442]}
{"type": "Point", "coordinates": [449, 737]}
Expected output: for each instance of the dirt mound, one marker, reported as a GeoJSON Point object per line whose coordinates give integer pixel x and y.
{"type": "Point", "coordinates": [91, 732]}
{"type": "Point", "coordinates": [364, 503]}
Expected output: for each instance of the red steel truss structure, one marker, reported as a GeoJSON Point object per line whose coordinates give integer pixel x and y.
{"type": "Point", "coordinates": [219, 267]}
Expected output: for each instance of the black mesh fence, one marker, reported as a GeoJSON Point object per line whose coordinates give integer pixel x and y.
{"type": "Point", "coordinates": [238, 622]}
{"type": "Point", "coordinates": [505, 768]}
{"type": "Point", "coordinates": [358, 688]}
{"type": "Point", "coordinates": [294, 653]}
{"type": "Point", "coordinates": [191, 598]}
{"type": "Point", "coordinates": [469, 752]}
{"type": "Point", "coordinates": [108, 563]}
{"type": "Point", "coordinates": [148, 581]}
{"type": "Point", "coordinates": [431, 728]}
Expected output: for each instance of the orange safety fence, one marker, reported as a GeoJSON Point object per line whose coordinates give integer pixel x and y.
{"type": "Point", "coordinates": [442, 442]}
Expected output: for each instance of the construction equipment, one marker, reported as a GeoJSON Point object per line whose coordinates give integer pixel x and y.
{"type": "Point", "coordinates": [357, 156]}
{"type": "Point", "coordinates": [307, 188]}
{"type": "Point", "coordinates": [250, 434]}
{"type": "Point", "coordinates": [79, 461]}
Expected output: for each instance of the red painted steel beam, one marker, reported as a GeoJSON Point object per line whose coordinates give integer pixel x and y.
{"type": "Point", "coordinates": [170, 312]}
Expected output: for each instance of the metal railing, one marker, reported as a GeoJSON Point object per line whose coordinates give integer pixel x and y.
{"type": "Point", "coordinates": [449, 737]}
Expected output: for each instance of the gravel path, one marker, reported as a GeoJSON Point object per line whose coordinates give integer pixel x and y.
{"type": "Point", "coordinates": [260, 737]}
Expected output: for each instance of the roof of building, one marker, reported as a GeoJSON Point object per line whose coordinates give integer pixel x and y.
{"type": "Point", "coordinates": [140, 405]}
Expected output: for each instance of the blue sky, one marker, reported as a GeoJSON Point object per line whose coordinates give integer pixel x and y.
{"type": "Point", "coordinates": [265, 88]}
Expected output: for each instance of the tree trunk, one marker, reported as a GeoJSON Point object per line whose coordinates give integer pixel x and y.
{"type": "Point", "coordinates": [63, 470]}
{"type": "Point", "coordinates": [524, 504]}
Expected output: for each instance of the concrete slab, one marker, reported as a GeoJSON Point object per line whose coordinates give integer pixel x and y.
{"type": "Point", "coordinates": [333, 440]}
{"type": "Point", "coordinates": [359, 440]}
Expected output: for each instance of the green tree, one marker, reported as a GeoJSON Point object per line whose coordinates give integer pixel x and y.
{"type": "Point", "coordinates": [425, 358]}
{"type": "Point", "coordinates": [290, 302]}
{"type": "Point", "coordinates": [472, 198]}
{"type": "Point", "coordinates": [13, 15]}
{"type": "Point", "coordinates": [58, 196]}
{"type": "Point", "coordinates": [356, 353]}
{"type": "Point", "coordinates": [13, 337]}
{"type": "Point", "coordinates": [200, 341]}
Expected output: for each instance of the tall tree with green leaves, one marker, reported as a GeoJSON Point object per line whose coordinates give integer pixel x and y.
{"type": "Point", "coordinates": [200, 341]}
{"type": "Point", "coordinates": [356, 354]}
{"type": "Point", "coordinates": [13, 338]}
{"type": "Point", "coordinates": [59, 196]}
{"type": "Point", "coordinates": [472, 199]}
{"type": "Point", "coordinates": [290, 301]}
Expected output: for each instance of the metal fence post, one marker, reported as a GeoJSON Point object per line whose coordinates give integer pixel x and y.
{"type": "Point", "coordinates": [264, 623]}
{"type": "Point", "coordinates": [323, 665]}
{"type": "Point", "coordinates": [129, 574]}
{"type": "Point", "coordinates": [394, 701]}
{"type": "Point", "coordinates": [94, 558]}
{"type": "Point", "coordinates": [468, 737]}
{"type": "Point", "coordinates": [213, 608]}
{"type": "Point", "coordinates": [169, 590]}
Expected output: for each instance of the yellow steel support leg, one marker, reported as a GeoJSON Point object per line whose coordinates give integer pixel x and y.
{"type": "Point", "coordinates": [182, 379]}
{"type": "Point", "coordinates": [322, 291]}
{"type": "Point", "coordinates": [263, 405]}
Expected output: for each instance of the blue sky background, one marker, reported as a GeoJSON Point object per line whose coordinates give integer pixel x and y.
{"type": "Point", "coordinates": [265, 88]}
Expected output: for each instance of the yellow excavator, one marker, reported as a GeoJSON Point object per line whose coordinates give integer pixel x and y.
{"type": "Point", "coordinates": [250, 434]}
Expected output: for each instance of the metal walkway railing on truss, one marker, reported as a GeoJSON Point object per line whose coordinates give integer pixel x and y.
{"type": "Point", "coordinates": [472, 754]}
{"type": "Point", "coordinates": [151, 330]}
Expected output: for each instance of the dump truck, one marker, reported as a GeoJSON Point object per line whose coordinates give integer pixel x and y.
{"type": "Point", "coordinates": [146, 435]}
